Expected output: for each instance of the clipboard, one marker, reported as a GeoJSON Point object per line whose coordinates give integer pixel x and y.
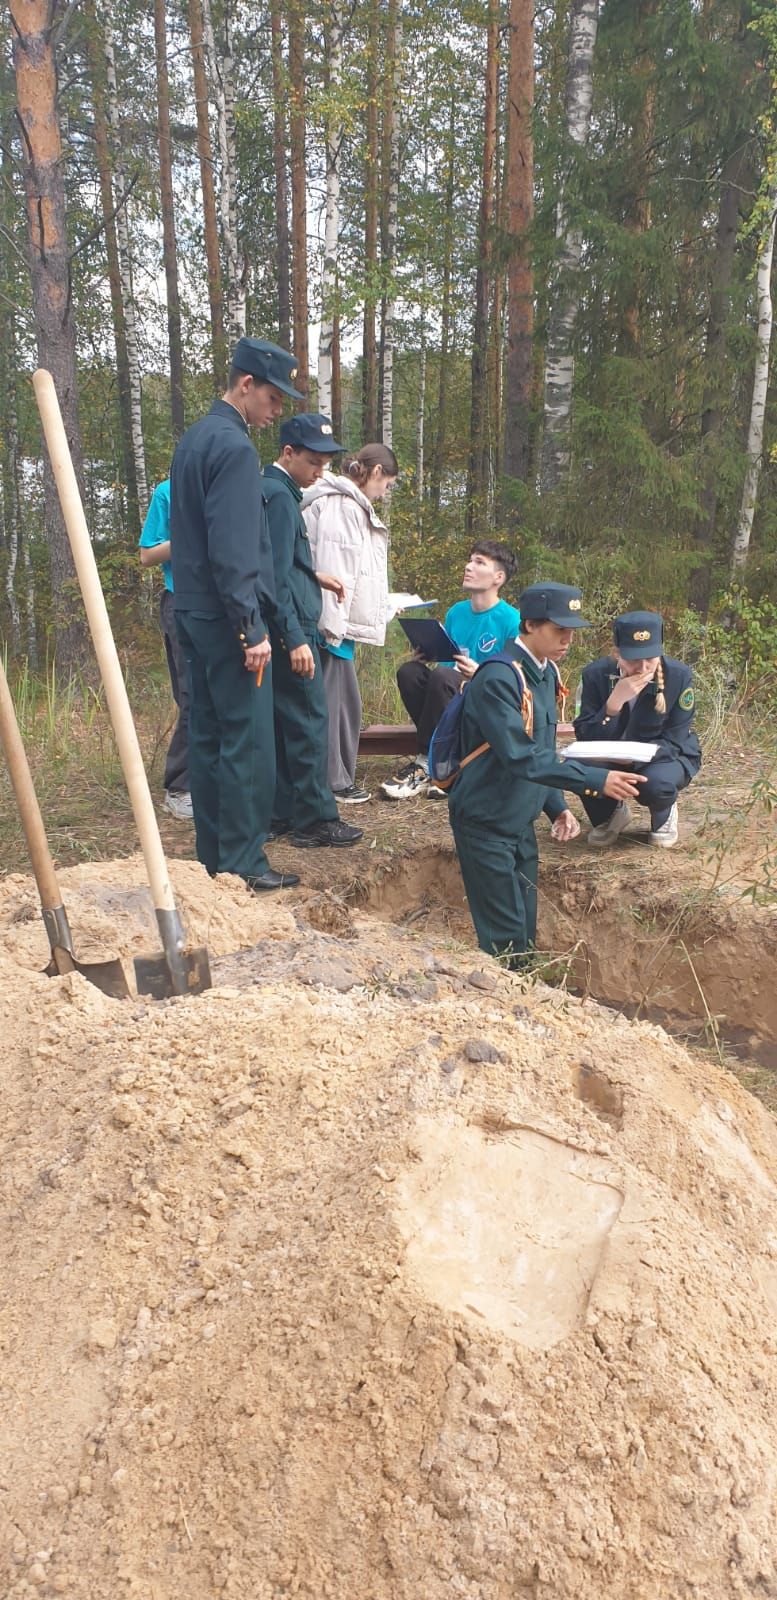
{"type": "Point", "coordinates": [429, 636]}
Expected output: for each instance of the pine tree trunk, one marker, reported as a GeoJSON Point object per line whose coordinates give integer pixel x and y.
{"type": "Point", "coordinates": [371, 273]}
{"type": "Point", "coordinates": [337, 379]}
{"type": "Point", "coordinates": [220, 73]}
{"type": "Point", "coordinates": [478, 455]}
{"type": "Point", "coordinates": [125, 273]}
{"type": "Point", "coordinates": [639, 215]}
{"type": "Point", "coordinates": [169, 244]}
{"type": "Point", "coordinates": [520, 214]}
{"type": "Point", "coordinates": [755, 438]}
{"type": "Point", "coordinates": [334, 137]}
{"type": "Point", "coordinates": [218, 342]}
{"type": "Point", "coordinates": [391, 128]}
{"type": "Point", "coordinates": [299, 215]}
{"type": "Point", "coordinates": [280, 153]}
{"type": "Point", "coordinates": [102, 151]}
{"type": "Point", "coordinates": [565, 298]}
{"type": "Point", "coordinates": [440, 439]}
{"type": "Point", "coordinates": [496, 336]}
{"type": "Point", "coordinates": [715, 363]}
{"type": "Point", "coordinates": [42, 159]}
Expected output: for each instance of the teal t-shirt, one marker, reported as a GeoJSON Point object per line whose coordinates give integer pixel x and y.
{"type": "Point", "coordinates": [481, 634]}
{"type": "Point", "coordinates": [156, 527]}
{"type": "Point", "coordinates": [345, 651]}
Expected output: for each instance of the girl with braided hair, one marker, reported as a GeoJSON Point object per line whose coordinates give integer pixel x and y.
{"type": "Point", "coordinates": [639, 693]}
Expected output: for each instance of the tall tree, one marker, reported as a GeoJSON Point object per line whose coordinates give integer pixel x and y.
{"type": "Point", "coordinates": [519, 363]}
{"type": "Point", "coordinates": [440, 437]}
{"type": "Point", "coordinates": [371, 270]}
{"type": "Point", "coordinates": [389, 215]}
{"type": "Point", "coordinates": [282, 248]}
{"type": "Point", "coordinates": [479, 441]}
{"type": "Point", "coordinates": [220, 70]}
{"type": "Point", "coordinates": [755, 435]}
{"type": "Point", "coordinates": [170, 246]}
{"type": "Point", "coordinates": [299, 212]}
{"type": "Point", "coordinates": [209, 216]}
{"type": "Point", "coordinates": [129, 309]}
{"type": "Point", "coordinates": [42, 159]}
{"type": "Point", "coordinates": [334, 139]}
{"type": "Point", "coordinates": [639, 208]}
{"type": "Point", "coordinates": [102, 152]}
{"type": "Point", "coordinates": [565, 295]}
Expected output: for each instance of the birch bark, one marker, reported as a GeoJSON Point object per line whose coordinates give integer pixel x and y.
{"type": "Point", "coordinates": [565, 302]}
{"type": "Point", "coordinates": [220, 73]}
{"type": "Point", "coordinates": [205, 153]}
{"type": "Point", "coordinates": [391, 136]}
{"type": "Point", "coordinates": [755, 438]}
{"type": "Point", "coordinates": [334, 138]}
{"type": "Point", "coordinates": [125, 270]}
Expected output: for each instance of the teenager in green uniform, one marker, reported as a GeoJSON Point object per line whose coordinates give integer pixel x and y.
{"type": "Point", "coordinates": [305, 806]}
{"type": "Point", "coordinates": [498, 794]}
{"type": "Point", "coordinates": [224, 594]}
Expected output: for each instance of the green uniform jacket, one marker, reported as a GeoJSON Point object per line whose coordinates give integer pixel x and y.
{"type": "Point", "coordinates": [297, 589]}
{"type": "Point", "coordinates": [504, 790]}
{"type": "Point", "coordinates": [221, 557]}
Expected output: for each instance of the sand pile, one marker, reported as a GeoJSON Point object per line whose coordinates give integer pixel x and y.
{"type": "Point", "coordinates": [371, 1276]}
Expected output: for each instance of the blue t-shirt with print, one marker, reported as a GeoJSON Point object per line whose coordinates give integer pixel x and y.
{"type": "Point", "coordinates": [481, 634]}
{"type": "Point", "coordinates": [156, 527]}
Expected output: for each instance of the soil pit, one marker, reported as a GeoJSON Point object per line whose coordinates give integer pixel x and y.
{"type": "Point", "coordinates": [372, 1272]}
{"type": "Point", "coordinates": [701, 963]}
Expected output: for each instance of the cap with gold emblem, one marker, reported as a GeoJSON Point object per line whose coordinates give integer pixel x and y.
{"type": "Point", "coordinates": [639, 635]}
{"type": "Point", "coordinates": [309, 431]}
{"type": "Point", "coordinates": [553, 602]}
{"type": "Point", "coordinates": [267, 363]}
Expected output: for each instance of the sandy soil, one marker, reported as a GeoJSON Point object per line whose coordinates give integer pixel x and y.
{"type": "Point", "coordinates": [373, 1274]}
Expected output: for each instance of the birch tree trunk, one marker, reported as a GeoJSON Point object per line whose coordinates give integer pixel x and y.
{"type": "Point", "coordinates": [438, 457]}
{"type": "Point", "coordinates": [391, 136]}
{"type": "Point", "coordinates": [299, 213]}
{"type": "Point", "coordinates": [220, 73]}
{"type": "Point", "coordinates": [102, 152]}
{"type": "Point", "coordinates": [281, 184]}
{"type": "Point", "coordinates": [755, 438]}
{"type": "Point", "coordinates": [125, 271]}
{"type": "Point", "coordinates": [169, 244]}
{"type": "Point", "coordinates": [520, 214]}
{"type": "Point", "coordinates": [420, 426]}
{"type": "Point", "coordinates": [205, 153]}
{"type": "Point", "coordinates": [334, 138]}
{"type": "Point", "coordinates": [371, 271]}
{"type": "Point", "coordinates": [11, 517]}
{"type": "Point", "coordinates": [42, 161]}
{"type": "Point", "coordinates": [478, 456]}
{"type": "Point", "coordinates": [565, 299]}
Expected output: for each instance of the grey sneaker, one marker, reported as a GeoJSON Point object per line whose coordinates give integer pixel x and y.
{"type": "Point", "coordinates": [410, 781]}
{"type": "Point", "coordinates": [352, 796]}
{"type": "Point", "coordinates": [607, 832]}
{"type": "Point", "coordinates": [179, 805]}
{"type": "Point", "coordinates": [666, 835]}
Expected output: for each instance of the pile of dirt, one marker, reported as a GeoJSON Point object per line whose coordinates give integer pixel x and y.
{"type": "Point", "coordinates": [371, 1274]}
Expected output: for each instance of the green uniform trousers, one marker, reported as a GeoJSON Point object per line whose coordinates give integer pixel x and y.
{"type": "Point", "coordinates": [302, 794]}
{"type": "Point", "coordinates": [500, 881]}
{"type": "Point", "coordinates": [231, 748]}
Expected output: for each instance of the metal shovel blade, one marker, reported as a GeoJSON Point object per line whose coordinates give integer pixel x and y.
{"type": "Point", "coordinates": [105, 975]}
{"type": "Point", "coordinates": [178, 970]}
{"type": "Point", "coordinates": [189, 973]}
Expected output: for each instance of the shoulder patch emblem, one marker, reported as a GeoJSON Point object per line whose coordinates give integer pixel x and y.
{"type": "Point", "coordinates": [687, 699]}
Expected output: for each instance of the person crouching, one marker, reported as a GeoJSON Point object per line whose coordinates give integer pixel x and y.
{"type": "Point", "coordinates": [638, 693]}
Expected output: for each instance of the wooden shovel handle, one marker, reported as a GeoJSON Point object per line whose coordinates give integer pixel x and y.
{"type": "Point", "coordinates": [105, 648]}
{"type": "Point", "coordinates": [27, 800]}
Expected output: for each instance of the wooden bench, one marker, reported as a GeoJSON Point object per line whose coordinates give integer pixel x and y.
{"type": "Point", "coordinates": [401, 739]}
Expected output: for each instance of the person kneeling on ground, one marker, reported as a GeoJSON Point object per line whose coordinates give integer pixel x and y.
{"type": "Point", "coordinates": [305, 807]}
{"type": "Point", "coordinates": [638, 693]}
{"type": "Point", "coordinates": [481, 626]}
{"type": "Point", "coordinates": [508, 731]}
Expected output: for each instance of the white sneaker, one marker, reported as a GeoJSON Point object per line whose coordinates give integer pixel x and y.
{"type": "Point", "coordinates": [179, 805]}
{"type": "Point", "coordinates": [409, 781]}
{"type": "Point", "coordinates": [608, 831]}
{"type": "Point", "coordinates": [666, 835]}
